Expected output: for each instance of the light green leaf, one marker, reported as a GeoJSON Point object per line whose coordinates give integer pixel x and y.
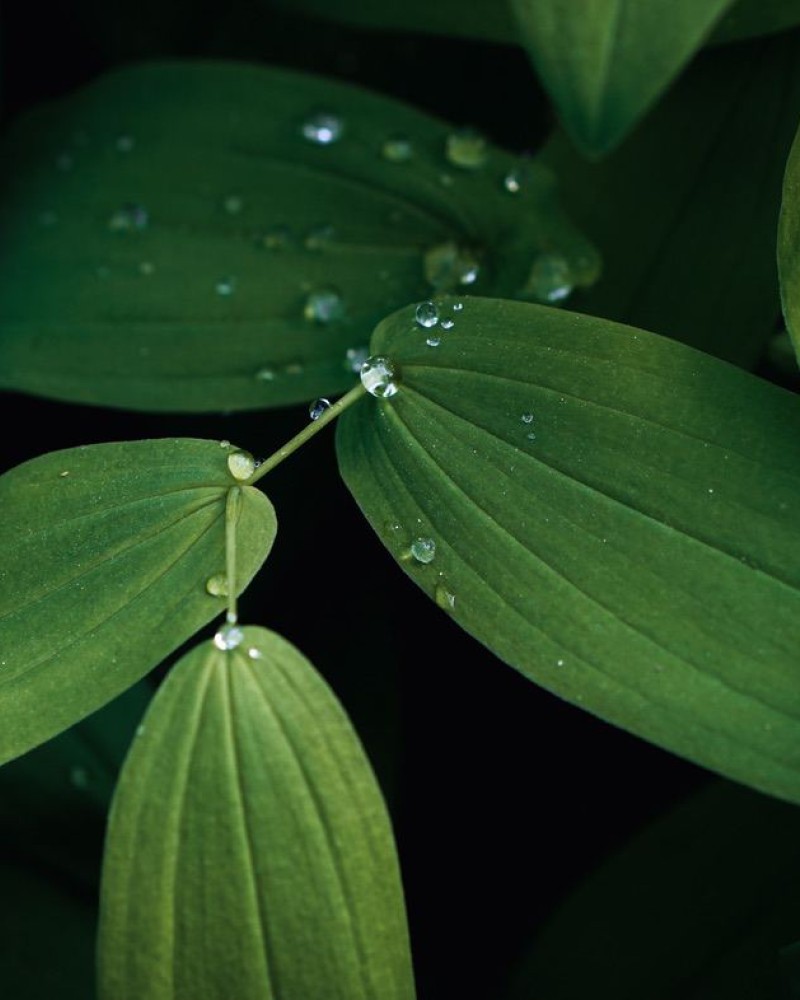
{"type": "Point", "coordinates": [605, 64]}
{"type": "Point", "coordinates": [789, 245]}
{"type": "Point", "coordinates": [751, 18]}
{"type": "Point", "coordinates": [694, 908]}
{"type": "Point", "coordinates": [104, 559]}
{"type": "Point", "coordinates": [172, 241]}
{"type": "Point", "coordinates": [685, 211]}
{"type": "Point", "coordinates": [249, 853]}
{"type": "Point", "coordinates": [613, 513]}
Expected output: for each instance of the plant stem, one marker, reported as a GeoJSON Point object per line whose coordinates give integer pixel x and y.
{"type": "Point", "coordinates": [308, 432]}
{"type": "Point", "coordinates": [231, 517]}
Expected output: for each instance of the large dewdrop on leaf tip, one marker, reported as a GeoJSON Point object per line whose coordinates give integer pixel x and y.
{"type": "Point", "coordinates": [234, 266]}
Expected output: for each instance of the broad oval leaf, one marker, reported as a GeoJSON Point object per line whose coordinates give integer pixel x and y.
{"type": "Point", "coordinates": [752, 18]}
{"type": "Point", "coordinates": [201, 236]}
{"type": "Point", "coordinates": [249, 853]}
{"type": "Point", "coordinates": [613, 513]}
{"type": "Point", "coordinates": [628, 932]}
{"type": "Point", "coordinates": [685, 211]}
{"type": "Point", "coordinates": [789, 245]}
{"type": "Point", "coordinates": [606, 62]}
{"type": "Point", "coordinates": [104, 559]}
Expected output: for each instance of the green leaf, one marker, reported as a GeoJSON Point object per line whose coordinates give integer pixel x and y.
{"type": "Point", "coordinates": [606, 63]}
{"type": "Point", "coordinates": [694, 908]}
{"type": "Point", "coordinates": [789, 245]}
{"type": "Point", "coordinates": [249, 853]}
{"type": "Point", "coordinates": [103, 566]}
{"type": "Point", "coordinates": [751, 18]}
{"type": "Point", "coordinates": [47, 936]}
{"type": "Point", "coordinates": [685, 211]}
{"type": "Point", "coordinates": [613, 513]}
{"type": "Point", "coordinates": [173, 242]}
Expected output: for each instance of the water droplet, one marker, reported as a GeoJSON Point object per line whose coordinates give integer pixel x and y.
{"type": "Point", "coordinates": [433, 341]}
{"type": "Point", "coordinates": [447, 323]}
{"type": "Point", "coordinates": [129, 218]}
{"type": "Point", "coordinates": [527, 418]}
{"type": "Point", "coordinates": [512, 182]}
{"type": "Point", "coordinates": [146, 268]}
{"type": "Point", "coordinates": [274, 238]}
{"type": "Point", "coordinates": [241, 465]}
{"type": "Point", "coordinates": [65, 161]}
{"type": "Point", "coordinates": [319, 237]}
{"type": "Point", "coordinates": [228, 637]}
{"type": "Point", "coordinates": [79, 777]}
{"type": "Point", "coordinates": [226, 286]}
{"type": "Point", "coordinates": [125, 143]}
{"type": "Point", "coordinates": [531, 436]}
{"type": "Point", "coordinates": [64, 474]}
{"type": "Point", "coordinates": [355, 358]}
{"type": "Point", "coordinates": [423, 550]}
{"type": "Point", "coordinates": [550, 279]}
{"type": "Point", "coordinates": [225, 443]}
{"type": "Point", "coordinates": [445, 598]}
{"type": "Point", "coordinates": [379, 377]}
{"type": "Point", "coordinates": [322, 128]}
{"type": "Point", "coordinates": [265, 375]}
{"type": "Point", "coordinates": [255, 654]}
{"type": "Point", "coordinates": [324, 305]}
{"type": "Point", "coordinates": [466, 148]}
{"type": "Point", "coordinates": [397, 149]}
{"type": "Point", "coordinates": [217, 585]}
{"type": "Point", "coordinates": [458, 306]}
{"type": "Point", "coordinates": [559, 663]}
{"type": "Point", "coordinates": [427, 314]}
{"type": "Point", "coordinates": [318, 407]}
{"type": "Point", "coordinates": [233, 204]}
{"type": "Point", "coordinates": [448, 265]}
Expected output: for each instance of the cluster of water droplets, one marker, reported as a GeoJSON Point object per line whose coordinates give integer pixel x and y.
{"type": "Point", "coordinates": [428, 315]}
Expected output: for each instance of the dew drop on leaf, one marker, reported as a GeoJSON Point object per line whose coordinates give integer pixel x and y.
{"type": "Point", "coordinates": [466, 148]}
{"type": "Point", "coordinates": [217, 585]}
{"type": "Point", "coordinates": [379, 377]}
{"type": "Point", "coordinates": [228, 637]}
{"type": "Point", "coordinates": [241, 465]}
{"type": "Point", "coordinates": [444, 597]}
{"type": "Point", "coordinates": [397, 149]}
{"type": "Point", "coordinates": [426, 315]}
{"type": "Point", "coordinates": [322, 128]}
{"type": "Point", "coordinates": [324, 305]}
{"type": "Point", "coordinates": [423, 550]}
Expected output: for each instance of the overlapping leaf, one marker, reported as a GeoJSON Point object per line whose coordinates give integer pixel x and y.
{"type": "Point", "coordinates": [789, 245]}
{"type": "Point", "coordinates": [104, 558]}
{"type": "Point", "coordinates": [685, 211]}
{"type": "Point", "coordinates": [695, 907]}
{"type": "Point", "coordinates": [613, 513]}
{"type": "Point", "coordinates": [249, 853]}
{"type": "Point", "coordinates": [205, 236]}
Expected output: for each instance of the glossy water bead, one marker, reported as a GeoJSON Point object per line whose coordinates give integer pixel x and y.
{"type": "Point", "coordinates": [322, 128]}
{"type": "Point", "coordinates": [379, 377]}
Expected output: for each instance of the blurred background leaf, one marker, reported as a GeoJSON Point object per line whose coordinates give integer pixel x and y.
{"type": "Point", "coordinates": [218, 236]}
{"type": "Point", "coordinates": [610, 512]}
{"type": "Point", "coordinates": [789, 245]}
{"type": "Point", "coordinates": [685, 211]}
{"type": "Point", "coordinates": [289, 887]}
{"type": "Point", "coordinates": [696, 907]}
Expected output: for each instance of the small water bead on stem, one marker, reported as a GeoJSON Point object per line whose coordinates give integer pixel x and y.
{"type": "Point", "coordinates": [324, 305]}
{"type": "Point", "coordinates": [379, 376]}
{"type": "Point", "coordinates": [466, 148]}
{"type": "Point", "coordinates": [426, 315]}
{"type": "Point", "coordinates": [423, 550]}
{"type": "Point", "coordinates": [318, 407]}
{"type": "Point", "coordinates": [322, 128]}
{"type": "Point", "coordinates": [241, 465]}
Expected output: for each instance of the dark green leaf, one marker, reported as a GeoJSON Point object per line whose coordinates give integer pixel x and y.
{"type": "Point", "coordinates": [614, 514]}
{"type": "Point", "coordinates": [685, 211]}
{"type": "Point", "coordinates": [695, 908]}
{"type": "Point", "coordinates": [249, 853]}
{"type": "Point", "coordinates": [606, 62]}
{"type": "Point", "coordinates": [750, 18]}
{"type": "Point", "coordinates": [104, 559]}
{"type": "Point", "coordinates": [171, 241]}
{"type": "Point", "coordinates": [47, 938]}
{"type": "Point", "coordinates": [789, 245]}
